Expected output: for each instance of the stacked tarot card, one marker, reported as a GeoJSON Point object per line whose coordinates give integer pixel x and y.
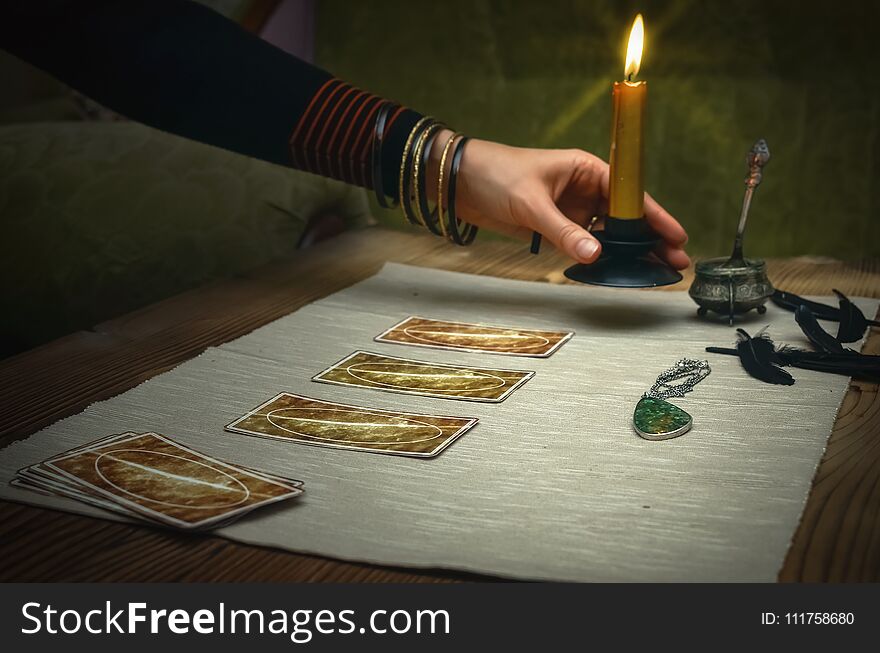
{"type": "Point", "coordinates": [150, 477]}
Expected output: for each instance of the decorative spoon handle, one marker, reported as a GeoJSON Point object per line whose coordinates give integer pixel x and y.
{"type": "Point", "coordinates": [756, 159]}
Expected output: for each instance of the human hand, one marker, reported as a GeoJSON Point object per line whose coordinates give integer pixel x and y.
{"type": "Point", "coordinates": [516, 191]}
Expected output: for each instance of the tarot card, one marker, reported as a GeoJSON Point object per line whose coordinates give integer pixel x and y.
{"type": "Point", "coordinates": [366, 370]}
{"type": "Point", "coordinates": [155, 477]}
{"type": "Point", "coordinates": [341, 426]}
{"type": "Point", "coordinates": [44, 486]}
{"type": "Point", "coordinates": [284, 480]}
{"type": "Point", "coordinates": [482, 338]}
{"type": "Point", "coordinates": [40, 468]}
{"type": "Point", "coordinates": [43, 476]}
{"type": "Point", "coordinates": [31, 487]}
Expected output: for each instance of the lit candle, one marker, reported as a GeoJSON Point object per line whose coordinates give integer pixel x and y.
{"type": "Point", "coordinates": [627, 186]}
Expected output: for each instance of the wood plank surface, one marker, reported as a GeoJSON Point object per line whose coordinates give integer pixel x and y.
{"type": "Point", "coordinates": [838, 538]}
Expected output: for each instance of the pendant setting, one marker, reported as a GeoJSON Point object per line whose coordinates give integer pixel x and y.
{"type": "Point", "coordinates": [657, 419]}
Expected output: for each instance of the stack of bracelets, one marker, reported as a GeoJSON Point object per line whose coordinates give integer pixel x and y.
{"type": "Point", "coordinates": [413, 186]}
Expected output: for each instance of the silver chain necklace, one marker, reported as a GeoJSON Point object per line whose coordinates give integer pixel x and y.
{"type": "Point", "coordinates": [692, 371]}
{"type": "Point", "coordinates": [655, 418]}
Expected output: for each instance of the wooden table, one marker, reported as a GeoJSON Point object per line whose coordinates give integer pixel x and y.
{"type": "Point", "coordinates": [838, 538]}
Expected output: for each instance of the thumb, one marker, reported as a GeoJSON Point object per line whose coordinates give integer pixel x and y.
{"type": "Point", "coordinates": [568, 237]}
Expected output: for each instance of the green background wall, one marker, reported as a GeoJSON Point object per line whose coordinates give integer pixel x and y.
{"type": "Point", "coordinates": [803, 75]}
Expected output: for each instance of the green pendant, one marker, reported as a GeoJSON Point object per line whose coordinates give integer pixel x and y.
{"type": "Point", "coordinates": [656, 419]}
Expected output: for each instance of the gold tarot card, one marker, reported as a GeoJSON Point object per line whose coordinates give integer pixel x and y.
{"type": "Point", "coordinates": [153, 476]}
{"type": "Point", "coordinates": [482, 338]}
{"type": "Point", "coordinates": [41, 477]}
{"type": "Point", "coordinates": [393, 374]}
{"type": "Point", "coordinates": [328, 424]}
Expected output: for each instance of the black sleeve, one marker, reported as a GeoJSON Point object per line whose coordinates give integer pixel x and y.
{"type": "Point", "coordinates": [185, 69]}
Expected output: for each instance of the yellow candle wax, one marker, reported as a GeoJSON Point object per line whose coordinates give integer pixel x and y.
{"type": "Point", "coordinates": [626, 183]}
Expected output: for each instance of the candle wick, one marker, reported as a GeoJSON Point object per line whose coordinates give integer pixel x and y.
{"type": "Point", "coordinates": [629, 77]}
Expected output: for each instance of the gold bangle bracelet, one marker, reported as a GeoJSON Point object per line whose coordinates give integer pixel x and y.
{"type": "Point", "coordinates": [441, 180]}
{"type": "Point", "coordinates": [419, 151]}
{"type": "Point", "coordinates": [406, 151]}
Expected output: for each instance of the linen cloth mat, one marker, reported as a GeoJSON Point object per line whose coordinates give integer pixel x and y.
{"type": "Point", "coordinates": [551, 484]}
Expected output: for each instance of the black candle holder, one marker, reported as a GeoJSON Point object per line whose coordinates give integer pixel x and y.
{"type": "Point", "coordinates": [627, 260]}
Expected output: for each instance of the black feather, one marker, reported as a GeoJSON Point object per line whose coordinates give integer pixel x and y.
{"type": "Point", "coordinates": [816, 334]}
{"type": "Point", "coordinates": [790, 301]}
{"type": "Point", "coordinates": [852, 321]}
{"type": "Point", "coordinates": [847, 362]}
{"type": "Point", "coordinates": [757, 357]}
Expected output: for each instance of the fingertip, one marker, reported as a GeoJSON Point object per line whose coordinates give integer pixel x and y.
{"type": "Point", "coordinates": [676, 257]}
{"type": "Point", "coordinates": [586, 250]}
{"type": "Point", "coordinates": [673, 233]}
{"type": "Point", "coordinates": [665, 224]}
{"type": "Point", "coordinates": [679, 237]}
{"type": "Point", "coordinates": [568, 236]}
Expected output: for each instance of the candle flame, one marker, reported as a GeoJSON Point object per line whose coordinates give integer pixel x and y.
{"type": "Point", "coordinates": [634, 47]}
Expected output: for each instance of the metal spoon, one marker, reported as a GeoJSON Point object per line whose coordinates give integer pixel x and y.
{"type": "Point", "coordinates": [756, 159]}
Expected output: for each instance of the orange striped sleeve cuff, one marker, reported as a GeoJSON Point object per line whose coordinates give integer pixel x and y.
{"type": "Point", "coordinates": [334, 136]}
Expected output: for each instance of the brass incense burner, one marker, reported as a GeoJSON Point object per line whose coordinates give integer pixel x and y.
{"type": "Point", "coordinates": [736, 285]}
